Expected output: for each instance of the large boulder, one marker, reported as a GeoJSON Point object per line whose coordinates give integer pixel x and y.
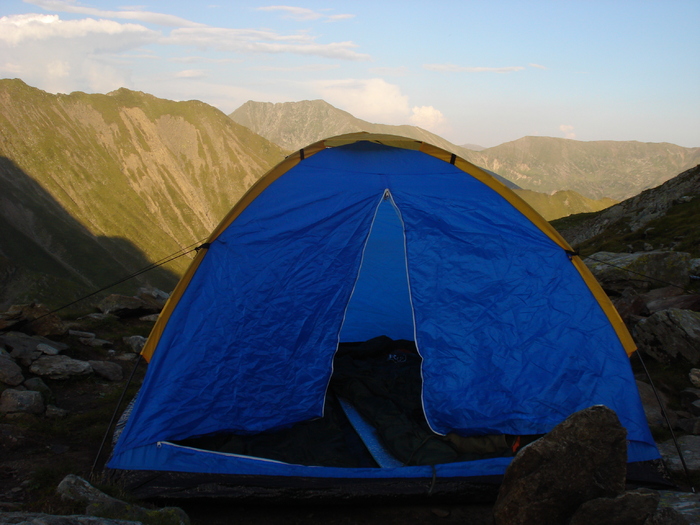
{"type": "Point", "coordinates": [60, 367]}
{"type": "Point", "coordinates": [125, 306]}
{"type": "Point", "coordinates": [630, 508]}
{"type": "Point", "coordinates": [582, 458]}
{"type": "Point", "coordinates": [74, 488]}
{"type": "Point", "coordinates": [107, 370]}
{"type": "Point", "coordinates": [641, 271]}
{"type": "Point", "coordinates": [689, 446]}
{"type": "Point", "coordinates": [670, 334]}
{"type": "Point", "coordinates": [25, 401]}
{"type": "Point", "coordinates": [33, 318]}
{"type": "Point", "coordinates": [10, 372]}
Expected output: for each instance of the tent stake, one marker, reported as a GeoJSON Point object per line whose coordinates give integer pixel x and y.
{"type": "Point", "coordinates": [668, 422]}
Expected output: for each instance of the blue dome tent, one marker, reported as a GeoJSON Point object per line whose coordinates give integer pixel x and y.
{"type": "Point", "coordinates": [361, 236]}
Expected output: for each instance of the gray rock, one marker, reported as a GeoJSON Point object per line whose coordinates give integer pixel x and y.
{"type": "Point", "coordinates": [94, 341]}
{"type": "Point", "coordinates": [47, 349]}
{"type": "Point", "coordinates": [124, 306]}
{"type": "Point", "coordinates": [153, 296]}
{"type": "Point", "coordinates": [151, 318]}
{"type": "Point", "coordinates": [685, 503]}
{"type": "Point", "coordinates": [37, 384]}
{"type": "Point", "coordinates": [630, 508]}
{"type": "Point", "coordinates": [35, 518]}
{"type": "Point", "coordinates": [690, 448]}
{"type": "Point", "coordinates": [27, 401]}
{"type": "Point", "coordinates": [60, 367]}
{"type": "Point", "coordinates": [652, 409]}
{"type": "Point", "coordinates": [582, 458]}
{"type": "Point", "coordinates": [10, 372]}
{"type": "Point", "coordinates": [689, 425]}
{"type": "Point", "coordinates": [694, 267]}
{"type": "Point", "coordinates": [22, 347]}
{"type": "Point", "coordinates": [81, 334]}
{"type": "Point", "coordinates": [694, 376]}
{"type": "Point", "coordinates": [667, 516]}
{"type": "Point", "coordinates": [135, 342]}
{"type": "Point", "coordinates": [53, 412]}
{"type": "Point", "coordinates": [670, 334]}
{"type": "Point", "coordinates": [108, 370]}
{"type": "Point", "coordinates": [74, 488]}
{"type": "Point", "coordinates": [640, 270]}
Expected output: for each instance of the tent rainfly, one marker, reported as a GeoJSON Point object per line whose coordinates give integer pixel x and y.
{"type": "Point", "coordinates": [376, 309]}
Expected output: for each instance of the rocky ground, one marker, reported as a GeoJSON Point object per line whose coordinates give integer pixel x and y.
{"type": "Point", "coordinates": [61, 381]}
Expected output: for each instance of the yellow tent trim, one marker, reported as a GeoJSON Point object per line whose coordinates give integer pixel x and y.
{"type": "Point", "coordinates": [397, 142]}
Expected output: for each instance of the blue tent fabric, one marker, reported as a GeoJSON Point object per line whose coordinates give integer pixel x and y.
{"type": "Point", "coordinates": [363, 240]}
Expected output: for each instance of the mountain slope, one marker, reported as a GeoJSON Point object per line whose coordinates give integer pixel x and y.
{"type": "Point", "coordinates": [133, 177]}
{"type": "Point", "coordinates": [599, 169]}
{"type": "Point", "coordinates": [596, 169]}
{"type": "Point", "coordinates": [293, 125]}
{"type": "Point", "coordinates": [665, 217]}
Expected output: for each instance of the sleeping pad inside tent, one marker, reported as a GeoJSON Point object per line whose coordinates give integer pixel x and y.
{"type": "Point", "coordinates": [376, 308]}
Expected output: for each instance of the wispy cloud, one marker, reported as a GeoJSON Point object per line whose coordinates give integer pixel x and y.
{"type": "Point", "coordinates": [191, 73]}
{"type": "Point", "coordinates": [453, 68]}
{"type": "Point", "coordinates": [538, 66]}
{"type": "Point", "coordinates": [308, 68]}
{"type": "Point", "coordinates": [303, 14]}
{"type": "Point", "coordinates": [63, 6]}
{"type": "Point", "coordinates": [256, 41]}
{"type": "Point", "coordinates": [389, 71]}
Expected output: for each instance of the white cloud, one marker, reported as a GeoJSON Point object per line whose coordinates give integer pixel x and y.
{"type": "Point", "coordinates": [191, 73]}
{"type": "Point", "coordinates": [255, 41]}
{"type": "Point", "coordinates": [17, 29]}
{"type": "Point", "coordinates": [538, 66]}
{"type": "Point", "coordinates": [373, 99]}
{"type": "Point", "coordinates": [303, 14]}
{"type": "Point", "coordinates": [304, 68]}
{"type": "Point", "coordinates": [452, 68]}
{"type": "Point", "coordinates": [399, 71]}
{"type": "Point", "coordinates": [134, 13]}
{"type": "Point", "coordinates": [428, 117]}
{"type": "Point", "coordinates": [568, 131]}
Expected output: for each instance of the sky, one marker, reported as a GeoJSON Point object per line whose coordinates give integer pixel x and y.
{"type": "Point", "coordinates": [479, 72]}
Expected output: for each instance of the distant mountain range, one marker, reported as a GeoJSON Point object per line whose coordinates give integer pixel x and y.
{"type": "Point", "coordinates": [596, 170]}
{"type": "Point", "coordinates": [96, 187]}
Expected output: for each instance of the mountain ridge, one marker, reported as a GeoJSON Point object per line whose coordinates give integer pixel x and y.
{"type": "Point", "coordinates": [134, 173]}
{"type": "Point", "coordinates": [596, 169]}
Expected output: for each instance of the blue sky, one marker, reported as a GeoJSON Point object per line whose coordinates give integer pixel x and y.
{"type": "Point", "coordinates": [479, 72]}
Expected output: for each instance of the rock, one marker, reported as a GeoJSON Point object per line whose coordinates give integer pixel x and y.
{"type": "Point", "coordinates": [652, 410]}
{"type": "Point", "coordinates": [124, 306]}
{"type": "Point", "coordinates": [53, 412]}
{"type": "Point", "coordinates": [47, 349]}
{"type": "Point", "coordinates": [108, 370]}
{"type": "Point", "coordinates": [60, 367]}
{"type": "Point", "coordinates": [694, 376]}
{"type": "Point", "coordinates": [35, 318]}
{"type": "Point", "coordinates": [81, 334]}
{"type": "Point", "coordinates": [688, 395]}
{"type": "Point", "coordinates": [666, 516]}
{"type": "Point", "coordinates": [153, 296]}
{"type": "Point", "coordinates": [28, 402]}
{"type": "Point", "coordinates": [694, 267]}
{"type": "Point", "coordinates": [670, 334]}
{"type": "Point", "coordinates": [22, 347]}
{"type": "Point", "coordinates": [641, 270]}
{"type": "Point", "coordinates": [135, 343]}
{"type": "Point", "coordinates": [582, 458]}
{"type": "Point", "coordinates": [630, 508]}
{"type": "Point", "coordinates": [686, 503]}
{"type": "Point", "coordinates": [35, 518]}
{"type": "Point", "coordinates": [681, 302]}
{"type": "Point", "coordinates": [37, 385]}
{"type": "Point", "coordinates": [10, 372]}
{"type": "Point", "coordinates": [94, 341]}
{"type": "Point", "coordinates": [74, 488]}
{"type": "Point", "coordinates": [150, 318]}
{"type": "Point", "coordinates": [690, 447]}
{"type": "Point", "coordinates": [689, 425]}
